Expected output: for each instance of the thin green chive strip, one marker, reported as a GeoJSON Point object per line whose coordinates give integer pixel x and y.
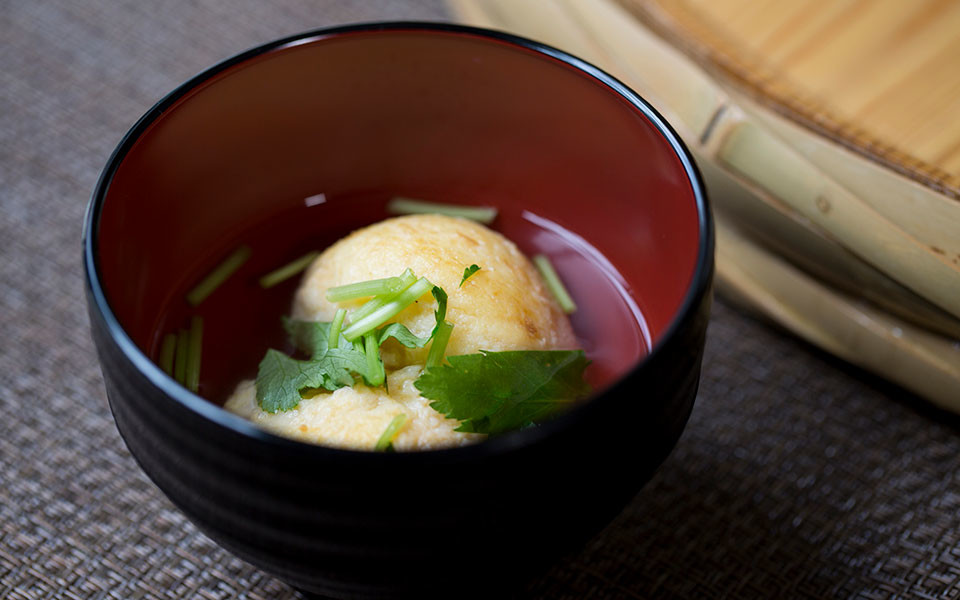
{"type": "Point", "coordinates": [388, 310]}
{"type": "Point", "coordinates": [390, 433]}
{"type": "Point", "coordinates": [180, 362]}
{"type": "Point", "coordinates": [553, 282]}
{"type": "Point", "coordinates": [334, 340]}
{"type": "Point", "coordinates": [168, 348]}
{"type": "Point", "coordinates": [288, 270]}
{"type": "Point", "coordinates": [408, 206]}
{"type": "Point", "coordinates": [407, 279]}
{"type": "Point", "coordinates": [375, 375]}
{"type": "Point", "coordinates": [217, 276]}
{"type": "Point", "coordinates": [365, 289]}
{"type": "Point", "coordinates": [439, 344]}
{"type": "Point", "coordinates": [194, 352]}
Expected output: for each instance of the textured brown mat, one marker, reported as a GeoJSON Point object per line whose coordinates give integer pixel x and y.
{"type": "Point", "coordinates": [795, 478]}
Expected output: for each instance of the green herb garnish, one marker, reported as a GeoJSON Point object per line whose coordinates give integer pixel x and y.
{"type": "Point", "coordinates": [441, 335]}
{"type": "Point", "coordinates": [408, 206]}
{"type": "Point", "coordinates": [494, 392]}
{"type": "Point", "coordinates": [389, 310]}
{"type": "Point", "coordinates": [280, 379]}
{"type": "Point", "coordinates": [399, 332]}
{"type": "Point", "coordinates": [336, 359]}
{"type": "Point", "coordinates": [441, 331]}
{"type": "Point", "coordinates": [194, 352]}
{"type": "Point", "coordinates": [168, 348]}
{"type": "Point", "coordinates": [311, 337]}
{"type": "Point", "coordinates": [407, 279]}
{"type": "Point", "coordinates": [554, 284]}
{"type": "Point", "coordinates": [467, 273]}
{"type": "Point", "coordinates": [390, 433]}
{"type": "Point", "coordinates": [335, 326]}
{"type": "Point", "coordinates": [365, 289]}
{"type": "Point", "coordinates": [489, 392]}
{"type": "Point", "coordinates": [180, 361]}
{"type": "Point", "coordinates": [180, 355]}
{"type": "Point", "coordinates": [218, 275]}
{"type": "Point", "coordinates": [441, 313]}
{"type": "Point", "coordinates": [375, 373]}
{"type": "Point", "coordinates": [287, 271]}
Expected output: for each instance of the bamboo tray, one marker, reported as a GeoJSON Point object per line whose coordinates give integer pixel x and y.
{"type": "Point", "coordinates": [880, 77]}
{"type": "Point", "coordinates": [826, 225]}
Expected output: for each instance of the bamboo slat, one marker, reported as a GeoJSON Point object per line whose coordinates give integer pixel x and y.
{"type": "Point", "coordinates": [922, 362]}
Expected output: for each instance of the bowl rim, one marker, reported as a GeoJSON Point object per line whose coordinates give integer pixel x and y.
{"type": "Point", "coordinates": [699, 285]}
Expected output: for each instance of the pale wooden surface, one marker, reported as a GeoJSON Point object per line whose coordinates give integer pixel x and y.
{"type": "Point", "coordinates": [882, 76]}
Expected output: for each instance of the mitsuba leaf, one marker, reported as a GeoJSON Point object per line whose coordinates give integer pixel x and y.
{"type": "Point", "coordinates": [494, 392]}
{"type": "Point", "coordinates": [281, 380]}
{"type": "Point", "coordinates": [345, 359]}
{"type": "Point", "coordinates": [441, 312]}
{"type": "Point", "coordinates": [467, 273]}
{"type": "Point", "coordinates": [441, 296]}
{"type": "Point", "coordinates": [310, 337]}
{"type": "Point", "coordinates": [403, 335]}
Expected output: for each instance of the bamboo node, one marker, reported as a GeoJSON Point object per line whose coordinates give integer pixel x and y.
{"type": "Point", "coordinates": [823, 205]}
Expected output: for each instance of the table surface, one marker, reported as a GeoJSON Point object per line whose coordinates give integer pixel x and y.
{"type": "Point", "coordinates": [797, 476]}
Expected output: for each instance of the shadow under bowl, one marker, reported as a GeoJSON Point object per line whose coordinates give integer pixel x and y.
{"type": "Point", "coordinates": [434, 111]}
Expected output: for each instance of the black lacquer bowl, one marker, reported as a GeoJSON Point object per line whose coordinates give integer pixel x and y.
{"type": "Point", "coordinates": [440, 112]}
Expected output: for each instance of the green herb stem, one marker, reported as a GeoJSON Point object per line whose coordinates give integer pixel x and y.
{"type": "Point", "coordinates": [218, 275]}
{"type": "Point", "coordinates": [180, 361]}
{"type": "Point", "coordinates": [554, 283]}
{"type": "Point", "coordinates": [439, 344]}
{"type": "Point", "coordinates": [375, 372]}
{"type": "Point", "coordinates": [335, 326]}
{"type": "Point", "coordinates": [194, 352]}
{"type": "Point", "coordinates": [287, 271]}
{"type": "Point", "coordinates": [168, 348]}
{"type": "Point", "coordinates": [364, 289]}
{"type": "Point", "coordinates": [380, 316]}
{"type": "Point", "coordinates": [408, 206]}
{"type": "Point", "coordinates": [373, 304]}
{"type": "Point", "coordinates": [390, 433]}
{"type": "Point", "coordinates": [407, 279]}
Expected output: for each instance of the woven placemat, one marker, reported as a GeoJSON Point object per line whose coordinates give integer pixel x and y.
{"type": "Point", "coordinates": [796, 477]}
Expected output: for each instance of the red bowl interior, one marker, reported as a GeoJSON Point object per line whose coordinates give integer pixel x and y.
{"type": "Point", "coordinates": [442, 115]}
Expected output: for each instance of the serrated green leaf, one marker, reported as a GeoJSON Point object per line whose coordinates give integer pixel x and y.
{"type": "Point", "coordinates": [310, 337]}
{"type": "Point", "coordinates": [493, 392]}
{"type": "Point", "coordinates": [281, 379]}
{"type": "Point", "coordinates": [345, 359]}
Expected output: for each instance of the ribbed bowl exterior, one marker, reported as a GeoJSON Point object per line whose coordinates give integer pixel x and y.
{"type": "Point", "coordinates": [446, 523]}
{"type": "Point", "coordinates": [369, 525]}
